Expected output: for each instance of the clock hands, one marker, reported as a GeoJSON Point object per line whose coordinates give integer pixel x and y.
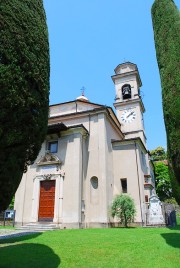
{"type": "Point", "coordinates": [130, 114]}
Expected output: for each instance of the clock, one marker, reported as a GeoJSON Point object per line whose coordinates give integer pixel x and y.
{"type": "Point", "coordinates": [128, 116]}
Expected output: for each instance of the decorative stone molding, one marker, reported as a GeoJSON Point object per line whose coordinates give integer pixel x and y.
{"type": "Point", "coordinates": [47, 176]}
{"type": "Point", "coordinates": [62, 173]}
{"type": "Point", "coordinates": [49, 159]}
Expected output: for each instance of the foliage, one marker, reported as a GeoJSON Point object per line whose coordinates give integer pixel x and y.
{"type": "Point", "coordinates": [171, 201]}
{"type": "Point", "coordinates": [11, 205]}
{"type": "Point", "coordinates": [158, 154]}
{"type": "Point", "coordinates": [166, 26]}
{"type": "Point", "coordinates": [123, 207]}
{"type": "Point", "coordinates": [178, 215]}
{"type": "Point", "coordinates": [101, 248]}
{"type": "Point", "coordinates": [175, 185]}
{"type": "Point", "coordinates": [24, 90]}
{"type": "Point", "coordinates": [163, 183]}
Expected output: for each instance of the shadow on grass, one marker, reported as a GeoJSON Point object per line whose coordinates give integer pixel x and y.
{"type": "Point", "coordinates": [15, 239]}
{"type": "Point", "coordinates": [176, 227]}
{"type": "Point", "coordinates": [28, 255]}
{"type": "Point", "coordinates": [172, 239]}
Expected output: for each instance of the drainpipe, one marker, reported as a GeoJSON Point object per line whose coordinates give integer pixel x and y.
{"type": "Point", "coordinates": [138, 183]}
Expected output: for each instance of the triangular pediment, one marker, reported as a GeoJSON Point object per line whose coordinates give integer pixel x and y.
{"type": "Point", "coordinates": [49, 159]}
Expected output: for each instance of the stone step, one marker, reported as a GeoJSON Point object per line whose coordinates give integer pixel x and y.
{"type": "Point", "coordinates": [154, 225]}
{"type": "Point", "coordinates": [38, 227]}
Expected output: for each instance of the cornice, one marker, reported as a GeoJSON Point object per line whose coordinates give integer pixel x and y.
{"type": "Point", "coordinates": [104, 109]}
{"type": "Point", "coordinates": [76, 129]}
{"type": "Point", "coordinates": [135, 72]}
{"type": "Point", "coordinates": [130, 141]}
{"type": "Point", "coordinates": [136, 131]}
{"type": "Point", "coordinates": [76, 101]}
{"type": "Point", "coordinates": [129, 101]}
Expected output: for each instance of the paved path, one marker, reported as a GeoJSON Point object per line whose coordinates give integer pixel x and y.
{"type": "Point", "coordinates": [8, 233]}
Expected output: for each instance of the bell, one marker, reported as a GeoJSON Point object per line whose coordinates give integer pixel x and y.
{"type": "Point", "coordinates": [126, 92]}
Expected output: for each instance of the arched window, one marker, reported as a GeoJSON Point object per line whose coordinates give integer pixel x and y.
{"type": "Point", "coordinates": [126, 91]}
{"type": "Point", "coordinates": [94, 190]}
{"type": "Point", "coordinates": [94, 182]}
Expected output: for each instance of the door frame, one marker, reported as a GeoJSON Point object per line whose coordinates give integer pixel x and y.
{"type": "Point", "coordinates": [53, 184]}
{"type": "Point", "coordinates": [58, 202]}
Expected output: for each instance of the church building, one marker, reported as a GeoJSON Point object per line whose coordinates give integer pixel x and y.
{"type": "Point", "coordinates": [90, 155]}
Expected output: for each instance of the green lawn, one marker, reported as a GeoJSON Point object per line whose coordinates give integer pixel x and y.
{"type": "Point", "coordinates": [102, 248]}
{"type": "Point", "coordinates": [6, 227]}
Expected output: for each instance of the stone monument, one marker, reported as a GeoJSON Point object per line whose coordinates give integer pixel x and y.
{"type": "Point", "coordinates": [155, 210]}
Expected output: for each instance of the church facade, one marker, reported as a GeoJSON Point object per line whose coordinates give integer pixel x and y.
{"type": "Point", "coordinates": [90, 155]}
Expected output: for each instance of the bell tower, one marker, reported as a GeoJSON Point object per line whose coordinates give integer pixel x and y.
{"type": "Point", "coordinates": [128, 103]}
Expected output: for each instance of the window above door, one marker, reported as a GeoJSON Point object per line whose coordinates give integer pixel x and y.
{"type": "Point", "coordinates": [52, 146]}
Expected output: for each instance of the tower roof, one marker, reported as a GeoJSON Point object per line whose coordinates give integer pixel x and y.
{"type": "Point", "coordinates": [123, 65]}
{"type": "Point", "coordinates": [125, 69]}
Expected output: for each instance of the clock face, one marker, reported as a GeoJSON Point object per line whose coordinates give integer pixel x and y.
{"type": "Point", "coordinates": [128, 116]}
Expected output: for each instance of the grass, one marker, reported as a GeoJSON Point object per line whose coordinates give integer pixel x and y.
{"type": "Point", "coordinates": [6, 227]}
{"type": "Point", "coordinates": [91, 248]}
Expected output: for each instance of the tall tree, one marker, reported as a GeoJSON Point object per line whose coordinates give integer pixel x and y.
{"type": "Point", "coordinates": [24, 90]}
{"type": "Point", "coordinates": [166, 25]}
{"type": "Point", "coordinates": [163, 183]}
{"type": "Point", "coordinates": [158, 154]}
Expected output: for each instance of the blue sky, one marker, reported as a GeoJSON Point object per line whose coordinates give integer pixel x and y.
{"type": "Point", "coordinates": [89, 38]}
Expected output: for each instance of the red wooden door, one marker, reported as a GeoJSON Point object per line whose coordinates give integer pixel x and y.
{"type": "Point", "coordinates": [46, 201]}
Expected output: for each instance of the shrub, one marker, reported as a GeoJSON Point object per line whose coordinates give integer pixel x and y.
{"type": "Point", "coordinates": [123, 207]}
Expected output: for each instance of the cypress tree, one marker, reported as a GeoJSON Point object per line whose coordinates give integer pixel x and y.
{"type": "Point", "coordinates": [24, 90]}
{"type": "Point", "coordinates": [166, 25]}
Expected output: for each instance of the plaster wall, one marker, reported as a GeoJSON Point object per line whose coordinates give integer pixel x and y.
{"type": "Point", "coordinates": [73, 179]}
{"type": "Point", "coordinates": [126, 160]}
{"type": "Point", "coordinates": [24, 194]}
{"type": "Point", "coordinates": [96, 211]}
